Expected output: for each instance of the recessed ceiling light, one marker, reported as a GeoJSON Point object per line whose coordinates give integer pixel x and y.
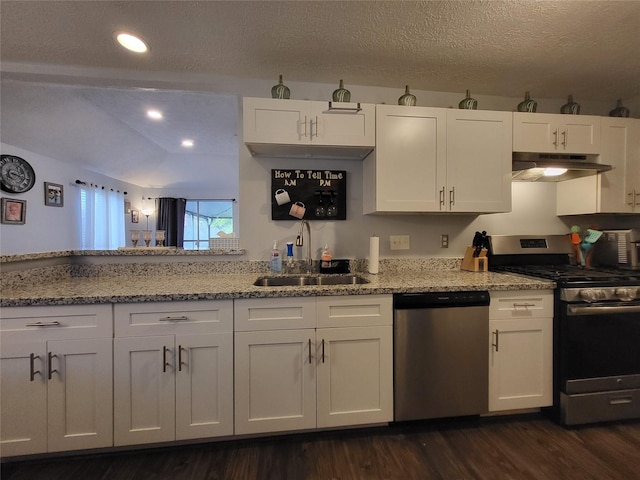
{"type": "Point", "coordinates": [131, 42]}
{"type": "Point", "coordinates": [154, 114]}
{"type": "Point", "coordinates": [187, 143]}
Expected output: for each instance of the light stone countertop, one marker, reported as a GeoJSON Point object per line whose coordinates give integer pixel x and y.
{"type": "Point", "coordinates": [124, 289]}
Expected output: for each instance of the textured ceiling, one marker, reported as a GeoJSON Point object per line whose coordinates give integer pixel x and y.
{"type": "Point", "coordinates": [551, 48]}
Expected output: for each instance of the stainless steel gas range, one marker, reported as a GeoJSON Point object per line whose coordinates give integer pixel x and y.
{"type": "Point", "coordinates": [596, 328]}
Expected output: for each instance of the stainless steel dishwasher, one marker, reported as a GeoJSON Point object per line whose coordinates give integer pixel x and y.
{"type": "Point", "coordinates": [441, 354]}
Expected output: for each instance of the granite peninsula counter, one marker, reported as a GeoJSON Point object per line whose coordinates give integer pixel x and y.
{"type": "Point", "coordinates": [152, 288]}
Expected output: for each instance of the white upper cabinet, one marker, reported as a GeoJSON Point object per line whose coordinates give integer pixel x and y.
{"type": "Point", "coordinates": [556, 133]}
{"type": "Point", "coordinates": [479, 161]}
{"type": "Point", "coordinates": [615, 191]}
{"type": "Point", "coordinates": [439, 160]}
{"type": "Point", "coordinates": [307, 129]}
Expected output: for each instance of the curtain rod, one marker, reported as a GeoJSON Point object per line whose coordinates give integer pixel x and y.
{"type": "Point", "coordinates": [219, 199]}
{"type": "Point", "coordinates": [94, 185]}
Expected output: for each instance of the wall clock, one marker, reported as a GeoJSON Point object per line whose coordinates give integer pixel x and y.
{"type": "Point", "coordinates": [16, 175]}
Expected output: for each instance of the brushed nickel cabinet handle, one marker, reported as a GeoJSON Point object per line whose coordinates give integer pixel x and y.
{"type": "Point", "coordinates": [442, 198]}
{"type": "Point", "coordinates": [323, 350]}
{"type": "Point", "coordinates": [310, 359]}
{"type": "Point", "coordinates": [497, 335]}
{"type": "Point", "coordinates": [44, 324]}
{"type": "Point", "coordinates": [305, 125]}
{"type": "Point", "coordinates": [32, 366]}
{"type": "Point", "coordinates": [555, 138]}
{"type": "Point", "coordinates": [164, 358]}
{"type": "Point", "coordinates": [180, 358]}
{"type": "Point", "coordinates": [50, 370]}
{"type": "Point", "coordinates": [180, 318]}
{"type": "Point", "coordinates": [452, 196]}
{"type": "Point", "coordinates": [564, 139]}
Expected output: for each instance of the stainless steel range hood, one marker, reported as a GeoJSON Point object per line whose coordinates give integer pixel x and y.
{"type": "Point", "coordinates": [531, 167]}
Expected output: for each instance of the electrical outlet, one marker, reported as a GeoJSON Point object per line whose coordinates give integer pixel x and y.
{"type": "Point", "coordinates": [399, 242]}
{"type": "Point", "coordinates": [444, 241]}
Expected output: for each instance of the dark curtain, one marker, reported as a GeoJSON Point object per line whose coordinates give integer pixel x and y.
{"type": "Point", "coordinates": [171, 219]}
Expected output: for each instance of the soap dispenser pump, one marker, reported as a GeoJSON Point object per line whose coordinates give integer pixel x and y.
{"type": "Point", "coordinates": [290, 263]}
{"type": "Point", "coordinates": [326, 257]}
{"type": "Point", "coordinates": [276, 259]}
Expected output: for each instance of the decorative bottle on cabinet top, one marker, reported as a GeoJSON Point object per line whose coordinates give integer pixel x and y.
{"type": "Point", "coordinates": [468, 103]}
{"type": "Point", "coordinates": [571, 107]}
{"type": "Point", "coordinates": [620, 110]}
{"type": "Point", "coordinates": [527, 105]}
{"type": "Point", "coordinates": [407, 99]}
{"type": "Point", "coordinates": [280, 90]}
{"type": "Point", "coordinates": [341, 94]}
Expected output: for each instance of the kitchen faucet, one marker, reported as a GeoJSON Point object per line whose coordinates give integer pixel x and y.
{"type": "Point", "coordinates": [300, 242]}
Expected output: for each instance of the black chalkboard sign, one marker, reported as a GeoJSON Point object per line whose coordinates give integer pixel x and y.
{"type": "Point", "coordinates": [309, 194]}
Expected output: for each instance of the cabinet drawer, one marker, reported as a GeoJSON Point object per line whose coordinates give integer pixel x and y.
{"type": "Point", "coordinates": [274, 313]}
{"type": "Point", "coordinates": [521, 304]}
{"type": "Point", "coordinates": [355, 311]}
{"type": "Point", "coordinates": [57, 322]}
{"type": "Point", "coordinates": [160, 318]}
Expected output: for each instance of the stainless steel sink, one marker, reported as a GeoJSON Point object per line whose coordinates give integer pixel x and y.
{"type": "Point", "coordinates": [305, 280]}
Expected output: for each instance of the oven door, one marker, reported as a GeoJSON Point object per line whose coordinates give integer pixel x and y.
{"type": "Point", "coordinates": [599, 361]}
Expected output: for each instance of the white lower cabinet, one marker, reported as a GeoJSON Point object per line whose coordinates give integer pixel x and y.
{"type": "Point", "coordinates": [178, 384]}
{"type": "Point", "coordinates": [301, 378]}
{"type": "Point", "coordinates": [56, 370]}
{"type": "Point", "coordinates": [521, 350]}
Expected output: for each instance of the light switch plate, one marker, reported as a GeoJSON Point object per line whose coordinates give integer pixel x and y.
{"type": "Point", "coordinates": [399, 242]}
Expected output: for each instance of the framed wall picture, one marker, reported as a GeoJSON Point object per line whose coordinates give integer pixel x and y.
{"type": "Point", "coordinates": [127, 207]}
{"type": "Point", "coordinates": [53, 194]}
{"type": "Point", "coordinates": [13, 211]}
{"type": "Point", "coordinates": [135, 216]}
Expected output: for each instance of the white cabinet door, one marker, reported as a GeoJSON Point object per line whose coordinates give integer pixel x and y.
{"type": "Point", "coordinates": [267, 120]}
{"type": "Point", "coordinates": [407, 172]}
{"type": "Point", "coordinates": [80, 394]}
{"type": "Point", "coordinates": [144, 390]}
{"type": "Point", "coordinates": [23, 405]}
{"type": "Point", "coordinates": [275, 381]}
{"type": "Point", "coordinates": [300, 122]}
{"type": "Point", "coordinates": [520, 363]}
{"type": "Point", "coordinates": [615, 191]}
{"type": "Point", "coordinates": [556, 133]}
{"type": "Point", "coordinates": [619, 189]}
{"type": "Point", "coordinates": [479, 150]}
{"type": "Point", "coordinates": [351, 127]}
{"type": "Point", "coordinates": [204, 385]}
{"type": "Point", "coordinates": [355, 378]}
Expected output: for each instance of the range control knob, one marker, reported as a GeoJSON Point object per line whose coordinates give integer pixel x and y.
{"type": "Point", "coordinates": [627, 294]}
{"type": "Point", "coordinates": [593, 295]}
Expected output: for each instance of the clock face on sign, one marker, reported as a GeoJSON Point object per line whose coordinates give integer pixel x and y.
{"type": "Point", "coordinates": [16, 175]}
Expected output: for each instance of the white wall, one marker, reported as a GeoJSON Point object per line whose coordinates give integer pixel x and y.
{"type": "Point", "coordinates": [52, 229]}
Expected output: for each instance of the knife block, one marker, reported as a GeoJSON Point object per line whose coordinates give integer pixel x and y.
{"type": "Point", "coordinates": [475, 264]}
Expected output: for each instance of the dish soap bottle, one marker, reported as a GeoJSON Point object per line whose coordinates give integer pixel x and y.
{"type": "Point", "coordinates": [290, 257]}
{"type": "Point", "coordinates": [326, 257]}
{"type": "Point", "coordinates": [276, 259]}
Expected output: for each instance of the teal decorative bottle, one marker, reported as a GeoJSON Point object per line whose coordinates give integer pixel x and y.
{"type": "Point", "coordinates": [407, 99]}
{"type": "Point", "coordinates": [341, 94]}
{"type": "Point", "coordinates": [468, 103]}
{"type": "Point", "coordinates": [280, 90]}
{"type": "Point", "coordinates": [527, 105]}
{"type": "Point", "coordinates": [620, 110]}
{"type": "Point", "coordinates": [571, 107]}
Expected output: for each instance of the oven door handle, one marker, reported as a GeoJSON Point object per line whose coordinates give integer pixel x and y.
{"type": "Point", "coordinates": [603, 309]}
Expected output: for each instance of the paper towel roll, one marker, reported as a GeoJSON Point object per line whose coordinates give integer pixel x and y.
{"type": "Point", "coordinates": [374, 253]}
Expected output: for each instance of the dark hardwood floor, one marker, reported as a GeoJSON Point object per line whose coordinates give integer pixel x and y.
{"type": "Point", "coordinates": [516, 447]}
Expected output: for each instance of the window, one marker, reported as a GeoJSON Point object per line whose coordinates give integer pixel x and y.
{"type": "Point", "coordinates": [101, 219]}
{"type": "Point", "coordinates": [205, 219]}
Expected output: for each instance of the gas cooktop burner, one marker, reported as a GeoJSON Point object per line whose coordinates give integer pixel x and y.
{"type": "Point", "coordinates": [573, 275]}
